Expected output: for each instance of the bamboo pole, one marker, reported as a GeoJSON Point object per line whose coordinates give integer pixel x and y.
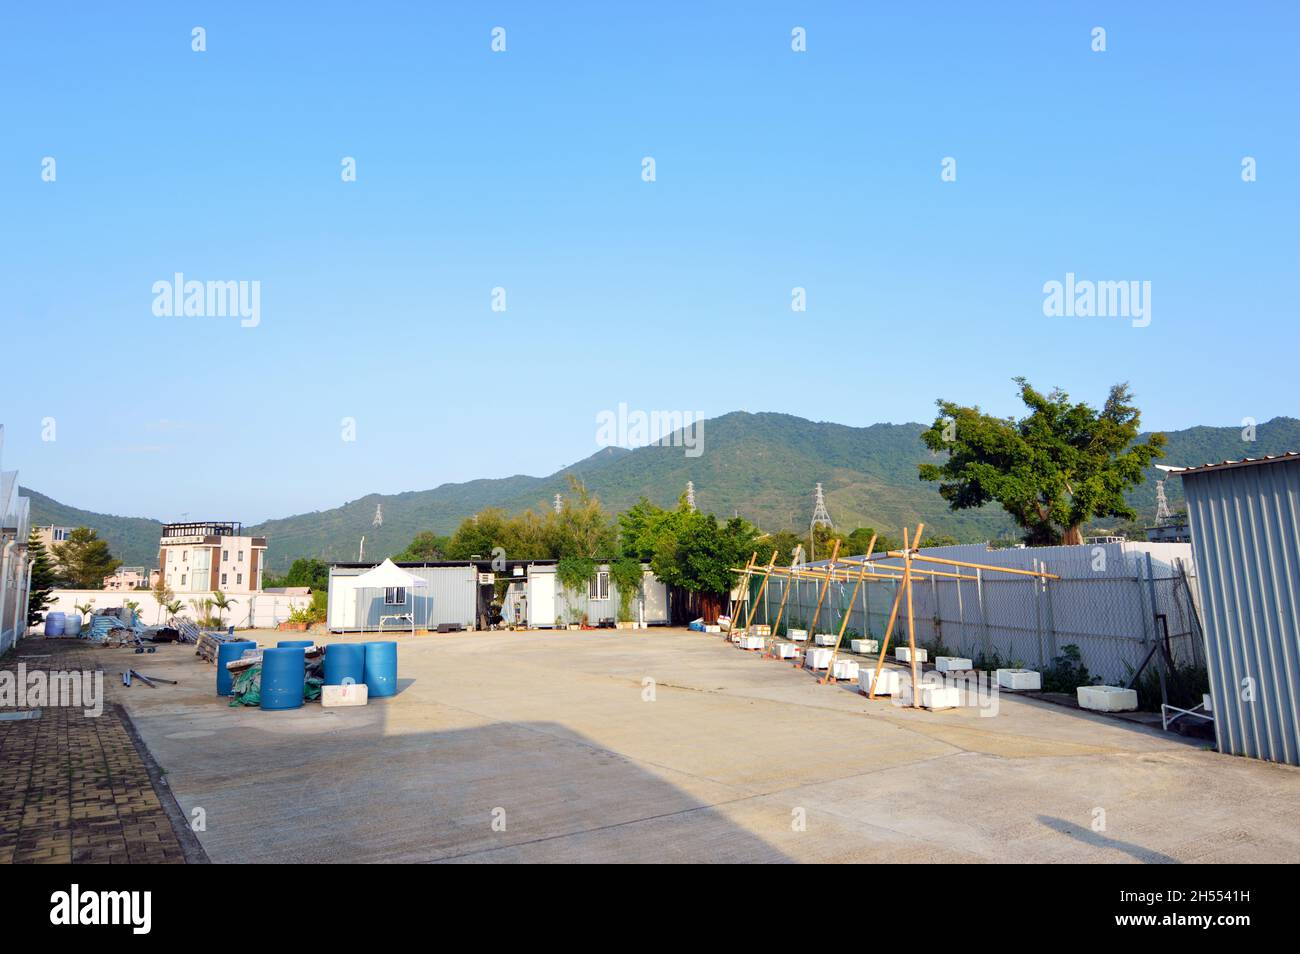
{"type": "Point", "coordinates": [978, 566]}
{"type": "Point", "coordinates": [911, 623]}
{"type": "Point", "coordinates": [830, 668]}
{"type": "Point", "coordinates": [884, 645]}
{"type": "Point", "coordinates": [812, 628]}
{"type": "Point", "coordinates": [753, 606]}
{"type": "Point", "coordinates": [785, 595]}
{"type": "Point", "coordinates": [744, 589]}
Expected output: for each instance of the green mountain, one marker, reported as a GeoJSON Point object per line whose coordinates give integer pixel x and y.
{"type": "Point", "coordinates": [763, 466]}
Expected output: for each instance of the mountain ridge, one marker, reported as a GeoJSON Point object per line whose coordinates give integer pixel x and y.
{"type": "Point", "coordinates": [761, 464]}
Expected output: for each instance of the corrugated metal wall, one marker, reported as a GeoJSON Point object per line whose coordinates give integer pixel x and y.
{"type": "Point", "coordinates": [449, 597]}
{"type": "Point", "coordinates": [1245, 524]}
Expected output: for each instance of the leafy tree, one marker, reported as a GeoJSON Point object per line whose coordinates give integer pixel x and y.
{"type": "Point", "coordinates": [1052, 470]}
{"type": "Point", "coordinates": [85, 559]}
{"type": "Point", "coordinates": [626, 574]}
{"type": "Point", "coordinates": [162, 594]}
{"type": "Point", "coordinates": [426, 546]}
{"type": "Point", "coordinates": [222, 603]}
{"type": "Point", "coordinates": [784, 543]}
{"type": "Point", "coordinates": [43, 581]}
{"type": "Point", "coordinates": [696, 553]}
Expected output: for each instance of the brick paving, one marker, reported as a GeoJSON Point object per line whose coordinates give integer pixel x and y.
{"type": "Point", "coordinates": [75, 788]}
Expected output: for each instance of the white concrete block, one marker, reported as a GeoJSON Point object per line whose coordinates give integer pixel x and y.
{"type": "Point", "coordinates": [845, 669]}
{"type": "Point", "coordinates": [890, 681]}
{"type": "Point", "coordinates": [712, 628]}
{"type": "Point", "coordinates": [824, 639]}
{"type": "Point", "coordinates": [1107, 698]}
{"type": "Point", "coordinates": [761, 629]}
{"type": "Point", "coordinates": [865, 645]}
{"type": "Point", "coordinates": [904, 654]}
{"type": "Point", "coordinates": [952, 663]}
{"type": "Point", "coordinates": [752, 642]}
{"type": "Point", "coordinates": [1020, 679]}
{"type": "Point", "coordinates": [350, 695]}
{"type": "Point", "coordinates": [786, 650]}
{"type": "Point", "coordinates": [798, 635]}
{"type": "Point", "coordinates": [817, 658]}
{"type": "Point", "coordinates": [935, 697]}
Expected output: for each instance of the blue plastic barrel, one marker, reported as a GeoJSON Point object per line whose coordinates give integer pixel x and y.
{"type": "Point", "coordinates": [284, 676]}
{"type": "Point", "coordinates": [345, 661]}
{"type": "Point", "coordinates": [381, 669]}
{"type": "Point", "coordinates": [54, 624]}
{"type": "Point", "coordinates": [290, 643]}
{"type": "Point", "coordinates": [229, 652]}
{"type": "Point", "coordinates": [72, 625]}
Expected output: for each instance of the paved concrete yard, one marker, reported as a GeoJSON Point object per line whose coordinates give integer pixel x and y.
{"type": "Point", "coordinates": [549, 733]}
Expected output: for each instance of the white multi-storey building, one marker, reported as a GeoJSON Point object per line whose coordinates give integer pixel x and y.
{"type": "Point", "coordinates": [211, 555]}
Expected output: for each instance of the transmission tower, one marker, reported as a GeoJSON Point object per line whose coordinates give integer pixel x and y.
{"type": "Point", "coordinates": [1163, 515]}
{"type": "Point", "coordinates": [379, 516]}
{"type": "Point", "coordinates": [820, 518]}
{"type": "Point", "coordinates": [690, 495]}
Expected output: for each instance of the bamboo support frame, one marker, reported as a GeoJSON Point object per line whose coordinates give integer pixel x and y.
{"type": "Point", "coordinates": [830, 668]}
{"type": "Point", "coordinates": [826, 585]}
{"type": "Point", "coordinates": [753, 607]}
{"type": "Point", "coordinates": [785, 595]}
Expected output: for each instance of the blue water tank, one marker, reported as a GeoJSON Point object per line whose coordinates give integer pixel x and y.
{"type": "Point", "coordinates": [72, 625]}
{"type": "Point", "coordinates": [381, 669]}
{"type": "Point", "coordinates": [345, 661]}
{"type": "Point", "coordinates": [290, 643]}
{"type": "Point", "coordinates": [229, 652]}
{"type": "Point", "coordinates": [284, 676]}
{"type": "Point", "coordinates": [54, 624]}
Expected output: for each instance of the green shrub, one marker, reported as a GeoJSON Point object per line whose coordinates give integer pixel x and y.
{"type": "Point", "coordinates": [1067, 672]}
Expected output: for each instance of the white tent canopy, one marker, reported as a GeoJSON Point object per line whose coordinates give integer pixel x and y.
{"type": "Point", "coordinates": [389, 574]}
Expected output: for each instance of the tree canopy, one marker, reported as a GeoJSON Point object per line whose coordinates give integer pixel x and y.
{"type": "Point", "coordinates": [1052, 470]}
{"type": "Point", "coordinates": [84, 559]}
{"type": "Point", "coordinates": [44, 579]}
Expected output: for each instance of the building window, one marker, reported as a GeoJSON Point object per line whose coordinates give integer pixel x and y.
{"type": "Point", "coordinates": [223, 579]}
{"type": "Point", "coordinates": [241, 556]}
{"type": "Point", "coordinates": [598, 588]}
{"type": "Point", "coordinates": [185, 556]}
{"type": "Point", "coordinates": [182, 579]}
{"type": "Point", "coordinates": [60, 534]}
{"type": "Point", "coordinates": [394, 596]}
{"type": "Point", "coordinates": [225, 556]}
{"type": "Point", "coordinates": [239, 579]}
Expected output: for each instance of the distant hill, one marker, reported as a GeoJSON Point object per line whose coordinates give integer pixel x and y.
{"type": "Point", "coordinates": [762, 465]}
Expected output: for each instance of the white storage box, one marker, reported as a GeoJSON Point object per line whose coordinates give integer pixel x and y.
{"type": "Point", "coordinates": [904, 654]}
{"type": "Point", "coordinates": [1107, 698]}
{"type": "Point", "coordinates": [354, 694]}
{"type": "Point", "coordinates": [935, 697]}
{"type": "Point", "coordinates": [889, 681]}
{"type": "Point", "coordinates": [952, 663]}
{"type": "Point", "coordinates": [824, 639]}
{"type": "Point", "coordinates": [786, 650]}
{"type": "Point", "coordinates": [798, 635]}
{"type": "Point", "coordinates": [761, 629]}
{"type": "Point", "coordinates": [865, 645]}
{"type": "Point", "coordinates": [1020, 679]}
{"type": "Point", "coordinates": [751, 642]}
{"type": "Point", "coordinates": [711, 628]}
{"type": "Point", "coordinates": [818, 658]}
{"type": "Point", "coordinates": [845, 669]}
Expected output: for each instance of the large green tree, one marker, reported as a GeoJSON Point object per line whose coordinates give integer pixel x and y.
{"type": "Point", "coordinates": [85, 559]}
{"type": "Point", "coordinates": [427, 545]}
{"type": "Point", "coordinates": [1060, 465]}
{"type": "Point", "coordinates": [44, 579]}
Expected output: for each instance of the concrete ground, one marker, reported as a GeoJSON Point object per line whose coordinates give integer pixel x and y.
{"type": "Point", "coordinates": [549, 747]}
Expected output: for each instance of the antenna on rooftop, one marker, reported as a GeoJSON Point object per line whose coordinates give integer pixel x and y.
{"type": "Point", "coordinates": [690, 495]}
{"type": "Point", "coordinates": [379, 516]}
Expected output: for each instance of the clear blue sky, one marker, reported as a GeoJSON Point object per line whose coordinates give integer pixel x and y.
{"type": "Point", "coordinates": [523, 170]}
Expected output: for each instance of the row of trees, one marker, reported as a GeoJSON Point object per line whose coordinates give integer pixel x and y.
{"type": "Point", "coordinates": [80, 562]}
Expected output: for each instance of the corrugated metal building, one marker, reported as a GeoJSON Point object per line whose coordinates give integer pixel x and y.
{"type": "Point", "coordinates": [457, 593]}
{"type": "Point", "coordinates": [1245, 522]}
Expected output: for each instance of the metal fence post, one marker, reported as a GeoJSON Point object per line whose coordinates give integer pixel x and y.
{"type": "Point", "coordinates": [1049, 611]}
{"type": "Point", "coordinates": [1038, 619]}
{"type": "Point", "coordinates": [984, 619]}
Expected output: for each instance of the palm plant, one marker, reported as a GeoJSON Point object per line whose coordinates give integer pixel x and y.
{"type": "Point", "coordinates": [84, 608]}
{"type": "Point", "coordinates": [222, 603]}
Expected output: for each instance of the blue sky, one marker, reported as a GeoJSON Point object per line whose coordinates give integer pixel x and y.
{"type": "Point", "coordinates": [522, 170]}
